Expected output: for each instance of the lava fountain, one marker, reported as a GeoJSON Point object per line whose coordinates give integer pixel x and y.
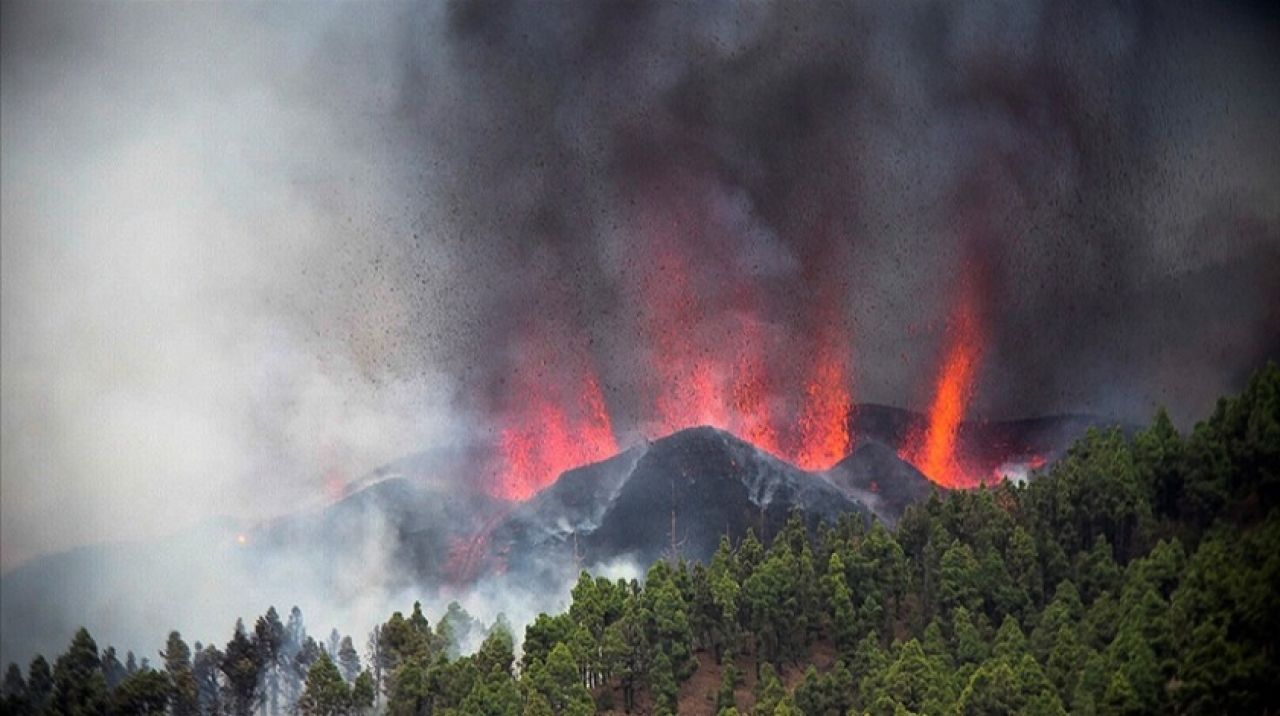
{"type": "Point", "coordinates": [824, 423]}
{"type": "Point", "coordinates": [935, 449]}
{"type": "Point", "coordinates": [554, 428]}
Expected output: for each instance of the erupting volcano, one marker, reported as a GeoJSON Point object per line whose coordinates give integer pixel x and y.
{"type": "Point", "coordinates": [703, 369]}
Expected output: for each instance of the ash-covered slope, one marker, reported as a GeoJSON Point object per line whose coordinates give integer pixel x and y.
{"type": "Point", "coordinates": [877, 477]}
{"type": "Point", "coordinates": [409, 523]}
{"type": "Point", "coordinates": [675, 495]}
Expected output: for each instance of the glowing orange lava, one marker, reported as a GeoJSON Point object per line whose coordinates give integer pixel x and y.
{"type": "Point", "coordinates": [548, 438]}
{"type": "Point", "coordinates": [935, 450]}
{"type": "Point", "coordinates": [824, 424]}
{"type": "Point", "coordinates": [711, 361]}
{"type": "Point", "coordinates": [754, 421]}
{"type": "Point", "coordinates": [708, 356]}
{"type": "Point", "coordinates": [689, 387]}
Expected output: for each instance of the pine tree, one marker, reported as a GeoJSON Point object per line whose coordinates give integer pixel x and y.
{"type": "Point", "coordinates": [769, 691]}
{"type": "Point", "coordinates": [844, 621]}
{"type": "Point", "coordinates": [14, 698]}
{"type": "Point", "coordinates": [559, 681]}
{"type": "Point", "coordinates": [787, 708]}
{"type": "Point", "coordinates": [145, 692]}
{"type": "Point", "coordinates": [958, 585]}
{"type": "Point", "coordinates": [348, 659]}
{"type": "Point", "coordinates": [1023, 562]}
{"type": "Point", "coordinates": [242, 666]}
{"type": "Point", "coordinates": [662, 682]}
{"type": "Point", "coordinates": [455, 629]}
{"type": "Point", "coordinates": [295, 637]}
{"type": "Point", "coordinates": [586, 607]}
{"type": "Point", "coordinates": [968, 644]}
{"type": "Point", "coordinates": [1216, 675]}
{"type": "Point", "coordinates": [585, 653]}
{"type": "Point", "coordinates": [538, 706]}
{"type": "Point", "coordinates": [79, 686]}
{"type": "Point", "coordinates": [112, 669]}
{"type": "Point", "coordinates": [914, 681]}
{"type": "Point", "coordinates": [1065, 610]}
{"type": "Point", "coordinates": [542, 635]}
{"type": "Point", "coordinates": [493, 695]}
{"type": "Point", "coordinates": [993, 690]}
{"type": "Point", "coordinates": [205, 669]}
{"type": "Point", "coordinates": [270, 636]}
{"type": "Point", "coordinates": [724, 592]}
{"type": "Point", "coordinates": [669, 629]}
{"type": "Point", "coordinates": [765, 592]}
{"type": "Point", "coordinates": [1160, 458]}
{"type": "Point", "coordinates": [936, 647]}
{"type": "Point", "coordinates": [363, 693]}
{"type": "Point", "coordinates": [749, 556]}
{"type": "Point", "coordinates": [869, 663]}
{"type": "Point", "coordinates": [1097, 570]}
{"type": "Point", "coordinates": [177, 663]}
{"type": "Point", "coordinates": [326, 693]}
{"type": "Point", "coordinates": [631, 649]}
{"type": "Point", "coordinates": [1120, 698]}
{"type": "Point", "coordinates": [1091, 686]}
{"type": "Point", "coordinates": [728, 682]}
{"type": "Point", "coordinates": [1065, 661]}
{"type": "Point", "coordinates": [810, 696]}
{"type": "Point", "coordinates": [841, 687]}
{"type": "Point", "coordinates": [39, 684]}
{"type": "Point", "coordinates": [497, 652]}
{"type": "Point", "coordinates": [408, 694]}
{"type": "Point", "coordinates": [1010, 642]}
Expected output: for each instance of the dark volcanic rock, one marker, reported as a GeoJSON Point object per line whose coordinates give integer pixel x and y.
{"type": "Point", "coordinates": [412, 522]}
{"type": "Point", "coordinates": [877, 477]}
{"type": "Point", "coordinates": [675, 495]}
{"type": "Point", "coordinates": [712, 484]}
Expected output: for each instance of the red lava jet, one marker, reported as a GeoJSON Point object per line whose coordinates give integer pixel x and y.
{"type": "Point", "coordinates": [556, 441]}
{"type": "Point", "coordinates": [556, 428]}
{"type": "Point", "coordinates": [935, 450]}
{"type": "Point", "coordinates": [709, 355]}
{"type": "Point", "coordinates": [751, 410]}
{"type": "Point", "coordinates": [689, 386]}
{"type": "Point", "coordinates": [727, 385]}
{"type": "Point", "coordinates": [824, 422]}
{"type": "Point", "coordinates": [724, 384]}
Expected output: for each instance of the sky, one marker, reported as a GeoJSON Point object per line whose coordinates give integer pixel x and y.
{"type": "Point", "coordinates": [250, 252]}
